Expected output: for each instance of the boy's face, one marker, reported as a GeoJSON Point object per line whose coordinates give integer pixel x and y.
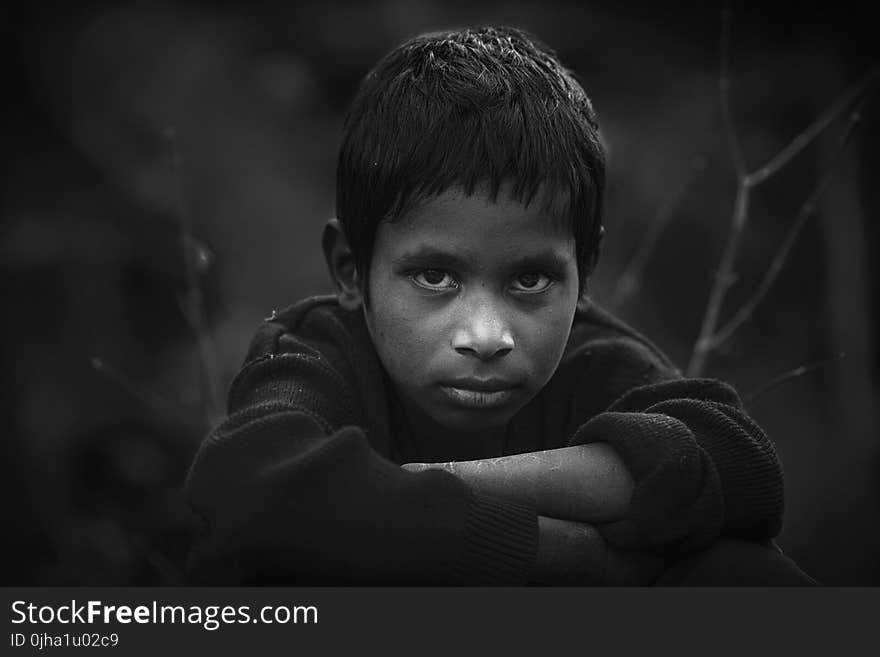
{"type": "Point", "coordinates": [471, 305]}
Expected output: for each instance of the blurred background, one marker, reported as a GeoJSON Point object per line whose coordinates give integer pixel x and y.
{"type": "Point", "coordinates": [168, 170]}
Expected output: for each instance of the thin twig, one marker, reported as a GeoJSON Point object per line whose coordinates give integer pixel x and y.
{"type": "Point", "coordinates": [805, 211]}
{"type": "Point", "coordinates": [724, 88]}
{"type": "Point", "coordinates": [843, 102]}
{"type": "Point", "coordinates": [630, 280]}
{"type": "Point", "coordinates": [169, 573]}
{"type": "Point", "coordinates": [192, 302]}
{"type": "Point", "coordinates": [723, 280]}
{"type": "Point", "coordinates": [790, 374]}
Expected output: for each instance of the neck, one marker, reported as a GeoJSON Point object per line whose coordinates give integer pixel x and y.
{"type": "Point", "coordinates": [435, 443]}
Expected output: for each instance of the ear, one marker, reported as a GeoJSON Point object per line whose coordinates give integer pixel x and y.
{"type": "Point", "coordinates": [341, 263]}
{"type": "Point", "coordinates": [594, 260]}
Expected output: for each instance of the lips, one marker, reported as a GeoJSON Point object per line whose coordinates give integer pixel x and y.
{"type": "Point", "coordinates": [480, 385]}
{"type": "Point", "coordinates": [479, 393]}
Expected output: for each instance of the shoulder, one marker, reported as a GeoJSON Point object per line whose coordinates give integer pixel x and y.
{"type": "Point", "coordinates": [311, 317]}
{"type": "Point", "coordinates": [604, 359]}
{"type": "Point", "coordinates": [596, 331]}
{"type": "Point", "coordinates": [316, 328]}
{"type": "Point", "coordinates": [311, 354]}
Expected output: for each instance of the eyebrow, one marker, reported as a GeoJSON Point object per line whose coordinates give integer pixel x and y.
{"type": "Point", "coordinates": [424, 254]}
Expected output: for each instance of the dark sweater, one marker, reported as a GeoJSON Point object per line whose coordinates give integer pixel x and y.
{"type": "Point", "coordinates": [301, 484]}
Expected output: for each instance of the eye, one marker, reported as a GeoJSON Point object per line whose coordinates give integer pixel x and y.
{"type": "Point", "coordinates": [532, 282]}
{"type": "Point", "coordinates": [434, 279]}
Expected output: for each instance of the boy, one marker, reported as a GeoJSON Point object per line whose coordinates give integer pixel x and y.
{"type": "Point", "coordinates": [460, 412]}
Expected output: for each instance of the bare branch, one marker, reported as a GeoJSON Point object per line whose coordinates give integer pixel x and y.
{"type": "Point", "coordinates": [707, 338]}
{"type": "Point", "coordinates": [723, 279]}
{"type": "Point", "coordinates": [805, 211]}
{"type": "Point", "coordinates": [790, 374]}
{"type": "Point", "coordinates": [724, 89]}
{"type": "Point", "coordinates": [192, 302]}
{"type": "Point", "coordinates": [844, 101]}
{"type": "Point", "coordinates": [630, 279]}
{"type": "Point", "coordinates": [725, 275]}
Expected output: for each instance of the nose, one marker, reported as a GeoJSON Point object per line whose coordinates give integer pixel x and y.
{"type": "Point", "coordinates": [483, 332]}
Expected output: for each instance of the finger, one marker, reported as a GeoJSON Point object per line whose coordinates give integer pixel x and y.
{"type": "Point", "coordinates": [421, 467]}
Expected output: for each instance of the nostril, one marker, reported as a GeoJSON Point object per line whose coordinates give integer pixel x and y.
{"type": "Point", "coordinates": [484, 354]}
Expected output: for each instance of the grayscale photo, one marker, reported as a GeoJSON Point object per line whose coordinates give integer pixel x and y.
{"type": "Point", "coordinates": [521, 294]}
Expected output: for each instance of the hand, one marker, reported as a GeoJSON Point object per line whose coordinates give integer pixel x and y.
{"type": "Point", "coordinates": [569, 552]}
{"type": "Point", "coordinates": [575, 553]}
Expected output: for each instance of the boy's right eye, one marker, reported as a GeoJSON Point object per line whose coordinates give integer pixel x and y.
{"type": "Point", "coordinates": [434, 279]}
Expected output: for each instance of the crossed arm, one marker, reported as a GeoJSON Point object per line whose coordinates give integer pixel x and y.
{"type": "Point", "coordinates": [573, 489]}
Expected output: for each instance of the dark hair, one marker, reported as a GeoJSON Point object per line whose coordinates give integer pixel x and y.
{"type": "Point", "coordinates": [489, 105]}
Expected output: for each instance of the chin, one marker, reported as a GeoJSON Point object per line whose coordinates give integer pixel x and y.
{"type": "Point", "coordinates": [474, 421]}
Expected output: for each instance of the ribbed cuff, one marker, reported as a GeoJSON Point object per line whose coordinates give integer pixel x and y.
{"type": "Point", "coordinates": [501, 542]}
{"type": "Point", "coordinates": [751, 477]}
{"type": "Point", "coordinates": [677, 504]}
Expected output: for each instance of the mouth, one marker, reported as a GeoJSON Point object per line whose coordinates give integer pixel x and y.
{"type": "Point", "coordinates": [479, 393]}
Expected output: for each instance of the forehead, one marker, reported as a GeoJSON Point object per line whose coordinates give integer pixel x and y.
{"type": "Point", "coordinates": [477, 226]}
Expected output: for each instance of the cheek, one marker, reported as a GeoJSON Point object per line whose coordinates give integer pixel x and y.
{"type": "Point", "coordinates": [402, 337]}
{"type": "Point", "coordinates": [551, 341]}
{"type": "Point", "coordinates": [549, 338]}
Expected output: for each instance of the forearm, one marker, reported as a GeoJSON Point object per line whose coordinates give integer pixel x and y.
{"type": "Point", "coordinates": [277, 486]}
{"type": "Point", "coordinates": [586, 483]}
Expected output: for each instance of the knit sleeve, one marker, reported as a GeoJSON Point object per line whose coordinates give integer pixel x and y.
{"type": "Point", "coordinates": [702, 467]}
{"type": "Point", "coordinates": [291, 491]}
{"type": "Point", "coordinates": [745, 461]}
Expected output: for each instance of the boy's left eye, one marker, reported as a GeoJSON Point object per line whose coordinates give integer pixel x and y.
{"type": "Point", "coordinates": [532, 282]}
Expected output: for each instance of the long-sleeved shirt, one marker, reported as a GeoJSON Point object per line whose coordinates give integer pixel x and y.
{"type": "Point", "coordinates": [301, 483]}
